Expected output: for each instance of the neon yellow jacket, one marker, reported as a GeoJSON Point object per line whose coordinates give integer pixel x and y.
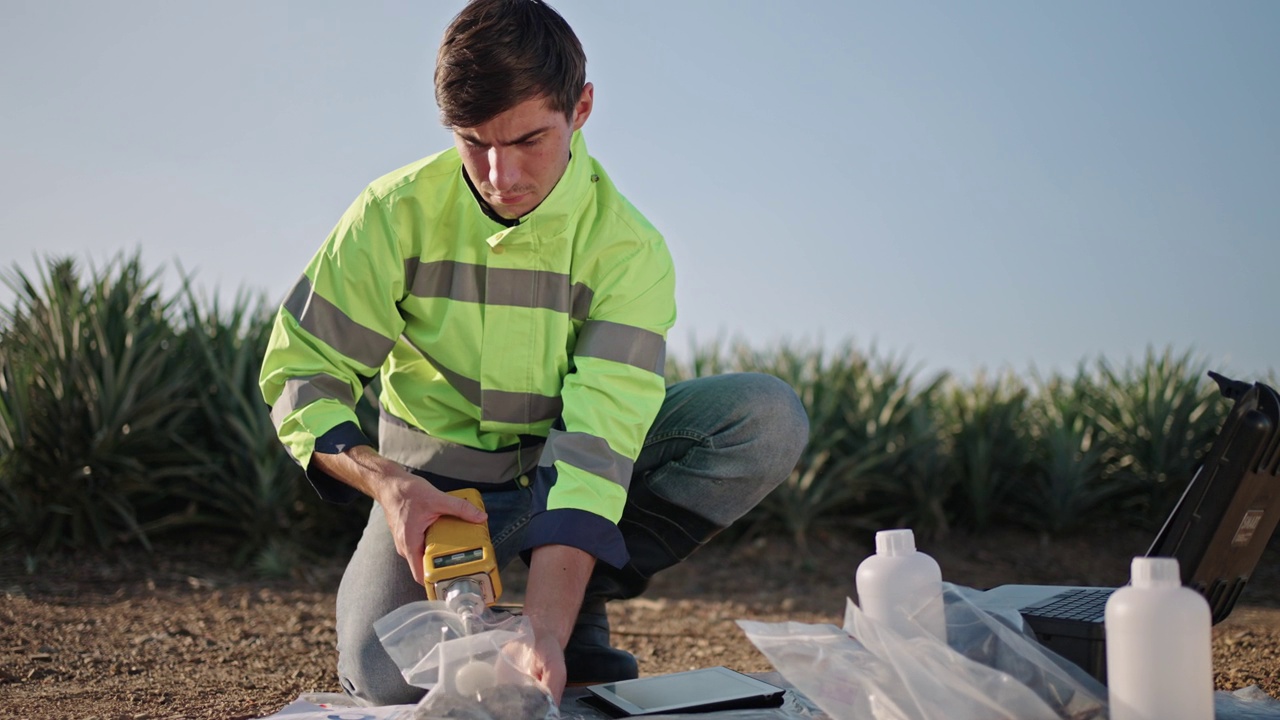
{"type": "Point", "coordinates": [509, 356]}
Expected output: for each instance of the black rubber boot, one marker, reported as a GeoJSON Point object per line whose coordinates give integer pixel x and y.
{"type": "Point", "coordinates": [588, 658]}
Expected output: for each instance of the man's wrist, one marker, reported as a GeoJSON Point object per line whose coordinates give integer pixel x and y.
{"type": "Point", "coordinates": [387, 481]}
{"type": "Point", "coordinates": [558, 576]}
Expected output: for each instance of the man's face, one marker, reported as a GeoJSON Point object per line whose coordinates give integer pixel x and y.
{"type": "Point", "coordinates": [516, 158]}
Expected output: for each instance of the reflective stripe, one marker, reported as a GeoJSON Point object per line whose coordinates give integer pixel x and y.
{"type": "Point", "coordinates": [497, 405]}
{"type": "Point", "coordinates": [589, 453]}
{"type": "Point", "coordinates": [466, 387]}
{"type": "Point", "coordinates": [445, 279]}
{"type": "Point", "coordinates": [580, 302]}
{"type": "Point", "coordinates": [399, 442]}
{"type": "Point", "coordinates": [334, 327]}
{"type": "Point", "coordinates": [468, 282]}
{"type": "Point", "coordinates": [629, 345]}
{"type": "Point", "coordinates": [516, 407]}
{"type": "Point", "coordinates": [529, 288]}
{"type": "Point", "coordinates": [302, 391]}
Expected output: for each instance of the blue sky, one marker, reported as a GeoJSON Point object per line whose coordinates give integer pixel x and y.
{"type": "Point", "coordinates": [969, 185]}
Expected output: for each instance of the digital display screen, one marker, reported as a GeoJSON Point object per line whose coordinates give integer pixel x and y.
{"type": "Point", "coordinates": [458, 558]}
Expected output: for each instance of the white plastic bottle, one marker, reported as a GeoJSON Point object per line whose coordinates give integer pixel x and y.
{"type": "Point", "coordinates": [901, 587]}
{"type": "Point", "coordinates": [1159, 647]}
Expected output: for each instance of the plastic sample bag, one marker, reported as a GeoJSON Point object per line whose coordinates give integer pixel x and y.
{"type": "Point", "coordinates": [475, 670]}
{"type": "Point", "coordinates": [884, 676]}
{"type": "Point", "coordinates": [995, 643]}
{"type": "Point", "coordinates": [833, 670]}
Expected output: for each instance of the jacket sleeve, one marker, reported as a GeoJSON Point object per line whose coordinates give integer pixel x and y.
{"type": "Point", "coordinates": [331, 336]}
{"type": "Point", "coordinates": [611, 398]}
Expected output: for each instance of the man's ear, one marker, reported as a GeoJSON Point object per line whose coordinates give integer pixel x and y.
{"type": "Point", "coordinates": [582, 110]}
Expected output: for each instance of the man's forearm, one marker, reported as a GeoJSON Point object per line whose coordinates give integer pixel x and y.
{"type": "Point", "coordinates": [410, 503]}
{"type": "Point", "coordinates": [361, 467]}
{"type": "Point", "coordinates": [558, 576]}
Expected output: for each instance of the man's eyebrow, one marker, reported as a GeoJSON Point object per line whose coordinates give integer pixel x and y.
{"type": "Point", "coordinates": [475, 139]}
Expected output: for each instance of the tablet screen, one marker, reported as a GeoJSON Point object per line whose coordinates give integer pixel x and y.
{"type": "Point", "coordinates": [706, 688]}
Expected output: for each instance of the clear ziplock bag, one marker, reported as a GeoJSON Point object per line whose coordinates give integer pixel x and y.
{"type": "Point", "coordinates": [472, 670]}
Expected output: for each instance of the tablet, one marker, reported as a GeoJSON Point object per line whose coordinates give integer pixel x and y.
{"type": "Point", "coordinates": [715, 688]}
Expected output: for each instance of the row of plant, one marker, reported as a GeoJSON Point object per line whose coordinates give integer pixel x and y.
{"type": "Point", "coordinates": [890, 448]}
{"type": "Point", "coordinates": [130, 416]}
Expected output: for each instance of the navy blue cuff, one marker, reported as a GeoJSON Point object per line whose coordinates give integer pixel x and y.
{"type": "Point", "coordinates": [577, 528]}
{"type": "Point", "coordinates": [340, 438]}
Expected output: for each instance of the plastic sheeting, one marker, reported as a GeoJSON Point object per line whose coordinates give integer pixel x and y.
{"type": "Point", "coordinates": [986, 669]}
{"type": "Point", "coordinates": [991, 667]}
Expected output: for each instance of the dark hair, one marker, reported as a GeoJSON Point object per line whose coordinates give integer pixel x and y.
{"type": "Point", "coordinates": [498, 53]}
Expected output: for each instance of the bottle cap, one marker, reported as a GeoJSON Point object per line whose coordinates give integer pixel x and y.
{"type": "Point", "coordinates": [895, 542]}
{"type": "Point", "coordinates": [1148, 572]}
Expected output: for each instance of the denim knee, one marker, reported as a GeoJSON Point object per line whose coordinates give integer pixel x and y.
{"type": "Point", "coordinates": [777, 423]}
{"type": "Point", "coordinates": [751, 429]}
{"type": "Point", "coordinates": [374, 680]}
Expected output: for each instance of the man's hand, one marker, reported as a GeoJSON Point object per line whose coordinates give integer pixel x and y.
{"type": "Point", "coordinates": [557, 577]}
{"type": "Point", "coordinates": [409, 503]}
{"type": "Point", "coordinates": [547, 665]}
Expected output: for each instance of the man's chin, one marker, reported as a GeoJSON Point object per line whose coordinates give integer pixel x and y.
{"type": "Point", "coordinates": [514, 212]}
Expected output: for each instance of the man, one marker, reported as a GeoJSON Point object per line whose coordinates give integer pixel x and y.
{"type": "Point", "coordinates": [516, 307]}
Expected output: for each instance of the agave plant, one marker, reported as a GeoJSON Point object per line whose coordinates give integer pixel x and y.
{"type": "Point", "coordinates": [94, 402]}
{"type": "Point", "coordinates": [990, 451]}
{"type": "Point", "coordinates": [1156, 417]}
{"type": "Point", "coordinates": [916, 487]}
{"type": "Point", "coordinates": [1065, 488]}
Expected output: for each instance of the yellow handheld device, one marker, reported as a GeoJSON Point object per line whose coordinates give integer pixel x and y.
{"type": "Point", "coordinates": [459, 556]}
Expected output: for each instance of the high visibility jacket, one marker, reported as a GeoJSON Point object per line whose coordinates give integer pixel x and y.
{"type": "Point", "coordinates": [529, 355]}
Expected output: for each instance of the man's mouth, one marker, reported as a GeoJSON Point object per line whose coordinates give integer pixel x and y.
{"type": "Point", "coordinates": [510, 199]}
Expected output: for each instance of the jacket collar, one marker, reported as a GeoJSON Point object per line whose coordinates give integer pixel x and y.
{"type": "Point", "coordinates": [570, 193]}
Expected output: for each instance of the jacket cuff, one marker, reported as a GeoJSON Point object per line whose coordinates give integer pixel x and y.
{"type": "Point", "coordinates": [577, 528]}
{"type": "Point", "coordinates": [342, 437]}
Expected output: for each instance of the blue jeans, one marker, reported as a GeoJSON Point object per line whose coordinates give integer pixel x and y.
{"type": "Point", "coordinates": [717, 447]}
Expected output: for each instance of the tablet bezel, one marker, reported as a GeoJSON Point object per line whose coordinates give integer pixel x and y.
{"type": "Point", "coordinates": [754, 693]}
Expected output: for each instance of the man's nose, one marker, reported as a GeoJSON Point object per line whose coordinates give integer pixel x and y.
{"type": "Point", "coordinates": [503, 172]}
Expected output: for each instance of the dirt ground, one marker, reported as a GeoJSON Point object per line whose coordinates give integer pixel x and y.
{"type": "Point", "coordinates": [178, 635]}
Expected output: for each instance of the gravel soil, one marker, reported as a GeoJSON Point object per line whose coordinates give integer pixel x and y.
{"type": "Point", "coordinates": [175, 634]}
